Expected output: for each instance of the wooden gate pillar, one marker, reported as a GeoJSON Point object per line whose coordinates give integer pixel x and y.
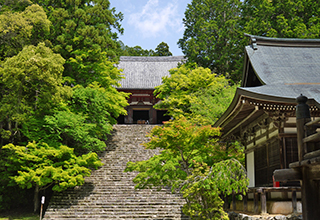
{"type": "Point", "coordinates": [309, 191]}
{"type": "Point", "coordinates": [302, 116]}
{"type": "Point", "coordinates": [307, 169]}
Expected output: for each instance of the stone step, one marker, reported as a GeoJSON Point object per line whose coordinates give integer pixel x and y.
{"type": "Point", "coordinates": [123, 192]}
{"type": "Point", "coordinates": [99, 206]}
{"type": "Point", "coordinates": [109, 193]}
{"type": "Point", "coordinates": [118, 216]}
{"type": "Point", "coordinates": [123, 199]}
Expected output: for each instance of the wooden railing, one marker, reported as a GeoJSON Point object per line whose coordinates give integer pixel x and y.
{"type": "Point", "coordinates": [307, 169]}
{"type": "Point", "coordinates": [262, 193]}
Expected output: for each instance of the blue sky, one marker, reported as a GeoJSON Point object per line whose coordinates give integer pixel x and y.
{"type": "Point", "coordinates": [147, 23]}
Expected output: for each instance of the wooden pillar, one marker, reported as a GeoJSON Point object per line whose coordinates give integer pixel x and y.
{"type": "Point", "coordinates": [300, 136]}
{"type": "Point", "coordinates": [234, 205]}
{"type": "Point", "coordinates": [302, 116]}
{"type": "Point", "coordinates": [309, 188]}
{"type": "Point", "coordinates": [308, 192]}
{"type": "Point", "coordinates": [129, 118]}
{"type": "Point", "coordinates": [294, 201]}
{"type": "Point", "coordinates": [263, 199]}
{"type": "Point", "coordinates": [256, 202]}
{"type": "Point", "coordinates": [226, 202]}
{"type": "Point", "coordinates": [154, 116]}
{"type": "Point", "coordinates": [245, 202]}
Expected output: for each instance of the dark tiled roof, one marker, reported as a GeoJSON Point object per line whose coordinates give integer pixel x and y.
{"type": "Point", "coordinates": [285, 64]}
{"type": "Point", "coordinates": [146, 72]}
{"type": "Point", "coordinates": [285, 67]}
{"type": "Point", "coordinates": [276, 71]}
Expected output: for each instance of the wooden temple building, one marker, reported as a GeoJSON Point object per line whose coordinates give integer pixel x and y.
{"type": "Point", "coordinates": [142, 75]}
{"type": "Point", "coordinates": [262, 115]}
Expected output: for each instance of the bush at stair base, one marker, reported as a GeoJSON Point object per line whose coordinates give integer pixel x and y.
{"type": "Point", "coordinates": [39, 166]}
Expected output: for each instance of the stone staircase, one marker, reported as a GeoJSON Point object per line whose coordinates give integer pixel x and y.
{"type": "Point", "coordinates": [109, 192]}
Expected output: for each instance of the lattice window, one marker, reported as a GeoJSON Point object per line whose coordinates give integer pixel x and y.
{"type": "Point", "coordinates": [274, 159]}
{"type": "Point", "coordinates": [291, 151]}
{"type": "Point", "coordinates": [267, 159]}
{"type": "Point", "coordinates": [261, 166]}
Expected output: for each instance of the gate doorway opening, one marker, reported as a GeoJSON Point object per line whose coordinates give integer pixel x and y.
{"type": "Point", "coordinates": [120, 119]}
{"type": "Point", "coordinates": [140, 116]}
{"type": "Point", "coordinates": [161, 116]}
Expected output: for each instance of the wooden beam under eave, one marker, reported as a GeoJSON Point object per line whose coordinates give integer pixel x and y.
{"type": "Point", "coordinates": [290, 125]}
{"type": "Point", "coordinates": [312, 138]}
{"type": "Point", "coordinates": [312, 154]}
{"type": "Point", "coordinates": [287, 175]}
{"type": "Point", "coordinates": [256, 108]}
{"type": "Point", "coordinates": [314, 122]}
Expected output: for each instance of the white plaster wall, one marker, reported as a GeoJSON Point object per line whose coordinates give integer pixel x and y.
{"type": "Point", "coordinates": [290, 130]}
{"type": "Point", "coordinates": [250, 168]}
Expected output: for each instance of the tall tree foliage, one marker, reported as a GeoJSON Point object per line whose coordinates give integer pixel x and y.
{"type": "Point", "coordinates": [136, 51]}
{"type": "Point", "coordinates": [211, 36]}
{"type": "Point", "coordinates": [82, 32]}
{"type": "Point", "coordinates": [58, 89]}
{"type": "Point", "coordinates": [32, 80]}
{"type": "Point", "coordinates": [31, 84]}
{"type": "Point", "coordinates": [162, 50]}
{"type": "Point", "coordinates": [83, 124]}
{"type": "Point", "coordinates": [21, 24]}
{"type": "Point", "coordinates": [195, 93]}
{"type": "Point", "coordinates": [283, 19]}
{"type": "Point", "coordinates": [214, 29]}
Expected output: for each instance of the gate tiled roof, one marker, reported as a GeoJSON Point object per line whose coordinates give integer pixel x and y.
{"type": "Point", "coordinates": [146, 72]}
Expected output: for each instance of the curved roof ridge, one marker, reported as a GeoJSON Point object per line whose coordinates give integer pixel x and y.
{"type": "Point", "coordinates": [285, 42]}
{"type": "Point", "coordinates": [152, 59]}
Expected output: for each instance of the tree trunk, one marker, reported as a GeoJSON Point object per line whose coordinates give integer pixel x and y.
{"type": "Point", "coordinates": [1, 138]}
{"type": "Point", "coordinates": [36, 101]}
{"type": "Point", "coordinates": [9, 126]}
{"type": "Point", "coordinates": [36, 201]}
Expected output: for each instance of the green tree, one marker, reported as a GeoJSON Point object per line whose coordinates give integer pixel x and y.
{"type": "Point", "coordinates": [137, 51]}
{"type": "Point", "coordinates": [162, 50]}
{"type": "Point", "coordinates": [14, 5]}
{"type": "Point", "coordinates": [282, 19]}
{"type": "Point", "coordinates": [32, 86]}
{"type": "Point", "coordinates": [193, 163]}
{"type": "Point", "coordinates": [27, 26]}
{"type": "Point", "coordinates": [31, 83]}
{"type": "Point", "coordinates": [61, 92]}
{"type": "Point", "coordinates": [82, 32]}
{"type": "Point", "coordinates": [208, 104]}
{"type": "Point", "coordinates": [40, 166]}
{"type": "Point", "coordinates": [195, 93]}
{"type": "Point", "coordinates": [104, 107]}
{"type": "Point", "coordinates": [214, 29]}
{"type": "Point", "coordinates": [211, 36]}
{"type": "Point", "coordinates": [67, 128]}
{"type": "Point", "coordinates": [83, 124]}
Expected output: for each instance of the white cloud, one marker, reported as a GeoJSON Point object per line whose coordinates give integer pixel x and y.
{"type": "Point", "coordinates": [156, 19]}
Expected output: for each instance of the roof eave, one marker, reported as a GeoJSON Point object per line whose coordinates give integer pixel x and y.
{"type": "Point", "coordinates": [284, 42]}
{"type": "Point", "coordinates": [236, 102]}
